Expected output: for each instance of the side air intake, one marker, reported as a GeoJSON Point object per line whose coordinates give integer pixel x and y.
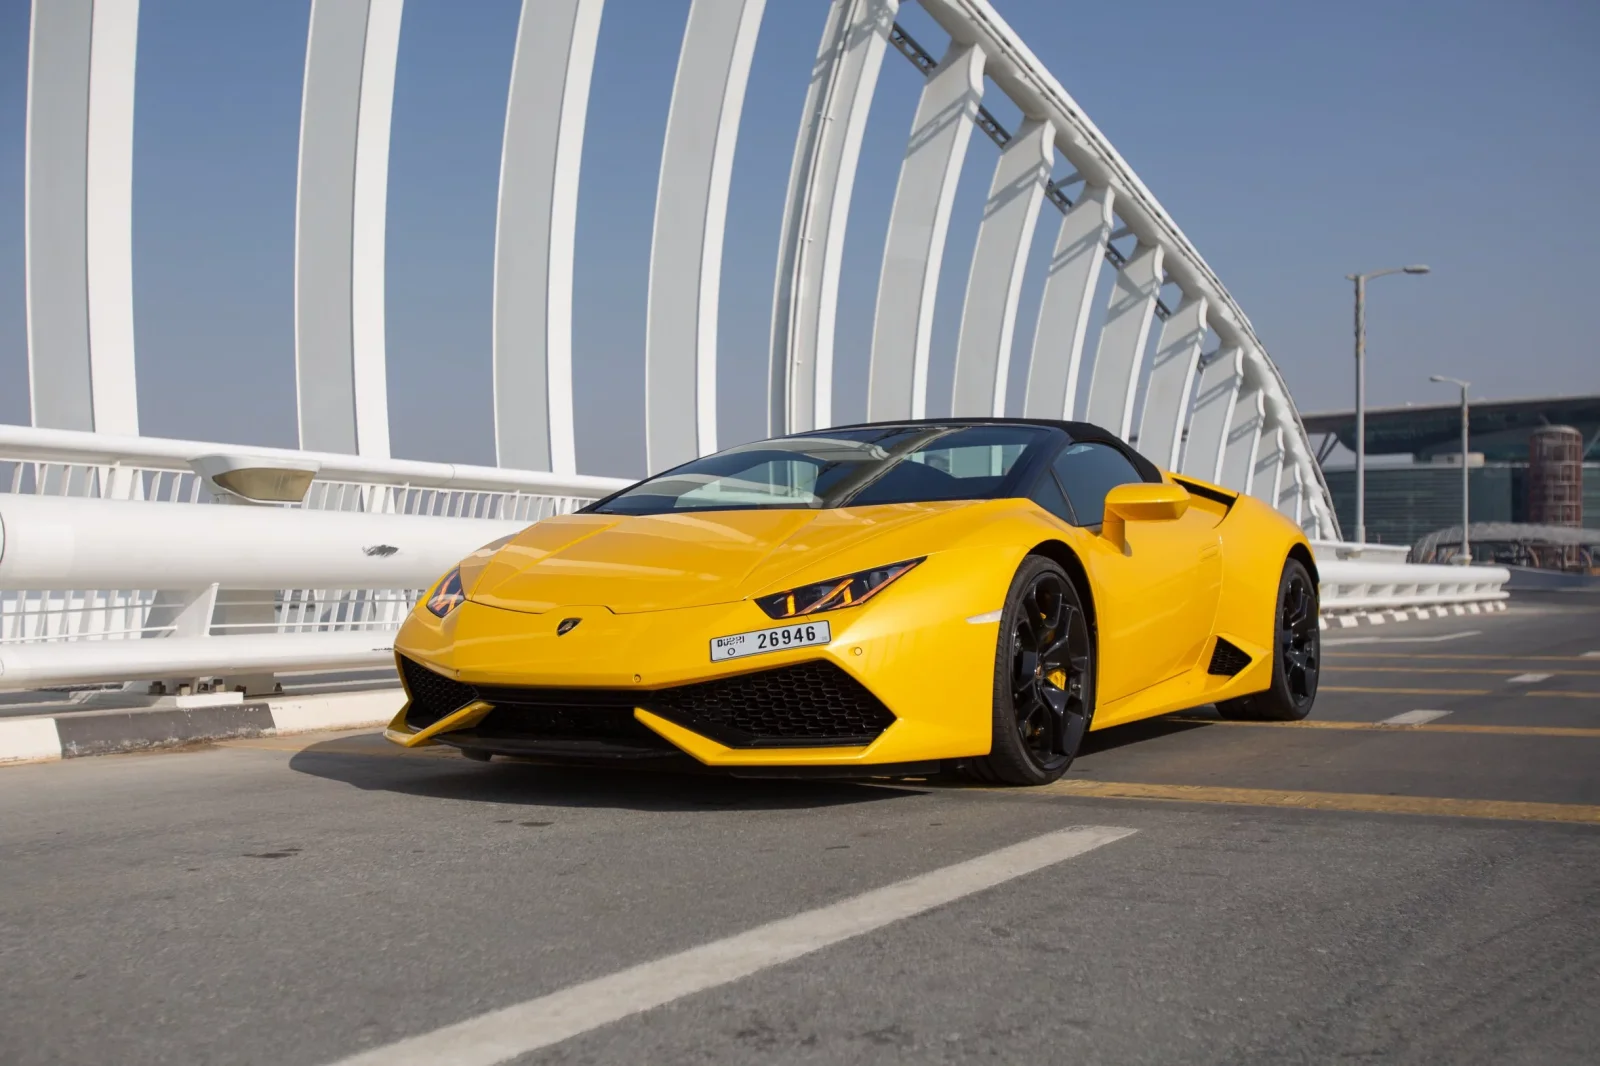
{"type": "Point", "coordinates": [1226, 659]}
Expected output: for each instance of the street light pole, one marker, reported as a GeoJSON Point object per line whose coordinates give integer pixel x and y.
{"type": "Point", "coordinates": [1361, 408]}
{"type": "Point", "coordinates": [1361, 387]}
{"type": "Point", "coordinates": [1466, 545]}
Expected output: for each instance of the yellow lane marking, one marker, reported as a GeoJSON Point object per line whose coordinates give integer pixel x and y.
{"type": "Point", "coordinates": [1485, 657]}
{"type": "Point", "coordinates": [1407, 691]}
{"type": "Point", "coordinates": [1457, 691]}
{"type": "Point", "coordinates": [1353, 668]}
{"type": "Point", "coordinates": [1379, 727]}
{"type": "Point", "coordinates": [1509, 810]}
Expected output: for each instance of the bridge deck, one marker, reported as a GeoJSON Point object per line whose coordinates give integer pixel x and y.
{"type": "Point", "coordinates": [1291, 893]}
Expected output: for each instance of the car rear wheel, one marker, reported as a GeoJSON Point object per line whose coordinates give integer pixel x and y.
{"type": "Point", "coordinates": [1043, 679]}
{"type": "Point", "coordinates": [1296, 655]}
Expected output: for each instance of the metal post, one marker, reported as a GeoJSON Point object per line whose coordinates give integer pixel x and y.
{"type": "Point", "coordinates": [1466, 420]}
{"type": "Point", "coordinates": [1361, 387]}
{"type": "Point", "coordinates": [1466, 545]}
{"type": "Point", "coordinates": [1361, 408]}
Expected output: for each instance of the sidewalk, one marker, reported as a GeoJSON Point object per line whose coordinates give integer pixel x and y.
{"type": "Point", "coordinates": [68, 733]}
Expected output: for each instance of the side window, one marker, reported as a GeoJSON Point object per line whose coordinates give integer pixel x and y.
{"type": "Point", "coordinates": [1047, 494]}
{"type": "Point", "coordinates": [1089, 471]}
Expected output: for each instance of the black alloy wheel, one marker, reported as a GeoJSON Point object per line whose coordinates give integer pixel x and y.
{"type": "Point", "coordinates": [1044, 679]}
{"type": "Point", "coordinates": [1296, 655]}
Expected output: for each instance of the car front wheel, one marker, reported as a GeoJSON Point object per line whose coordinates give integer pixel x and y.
{"type": "Point", "coordinates": [1044, 679]}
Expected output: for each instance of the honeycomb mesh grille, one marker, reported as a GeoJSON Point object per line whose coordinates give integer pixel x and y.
{"type": "Point", "coordinates": [812, 703]}
{"type": "Point", "coordinates": [432, 695]}
{"type": "Point", "coordinates": [1227, 660]}
{"type": "Point", "coordinates": [809, 704]}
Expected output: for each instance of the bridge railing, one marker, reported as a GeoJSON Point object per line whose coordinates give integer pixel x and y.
{"type": "Point", "coordinates": [1351, 586]}
{"type": "Point", "coordinates": [120, 560]}
{"type": "Point", "coordinates": [204, 569]}
{"type": "Point", "coordinates": [1376, 553]}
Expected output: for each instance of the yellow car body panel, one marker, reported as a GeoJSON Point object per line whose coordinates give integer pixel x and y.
{"type": "Point", "coordinates": [650, 593]}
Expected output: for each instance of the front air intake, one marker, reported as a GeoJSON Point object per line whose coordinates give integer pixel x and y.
{"type": "Point", "coordinates": [813, 704]}
{"type": "Point", "coordinates": [1226, 659]}
{"type": "Point", "coordinates": [432, 694]}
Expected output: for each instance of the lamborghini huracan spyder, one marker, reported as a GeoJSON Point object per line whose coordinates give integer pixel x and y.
{"type": "Point", "coordinates": [873, 600]}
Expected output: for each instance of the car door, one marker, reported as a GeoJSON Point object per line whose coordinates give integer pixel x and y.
{"type": "Point", "coordinates": [1155, 602]}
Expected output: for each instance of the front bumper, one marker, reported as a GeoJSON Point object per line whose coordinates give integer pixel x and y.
{"type": "Point", "coordinates": [625, 677]}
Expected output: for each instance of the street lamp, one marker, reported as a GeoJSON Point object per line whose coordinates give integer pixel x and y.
{"type": "Point", "coordinates": [1361, 387]}
{"type": "Point", "coordinates": [1466, 548]}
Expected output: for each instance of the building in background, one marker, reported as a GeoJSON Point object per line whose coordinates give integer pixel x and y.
{"type": "Point", "coordinates": [1407, 500]}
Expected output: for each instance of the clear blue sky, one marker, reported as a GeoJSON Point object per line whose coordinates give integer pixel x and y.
{"type": "Point", "coordinates": [1295, 143]}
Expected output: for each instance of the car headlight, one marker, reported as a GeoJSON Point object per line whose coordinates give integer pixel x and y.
{"type": "Point", "coordinates": [447, 594]}
{"type": "Point", "coordinates": [837, 592]}
{"type": "Point", "coordinates": [451, 592]}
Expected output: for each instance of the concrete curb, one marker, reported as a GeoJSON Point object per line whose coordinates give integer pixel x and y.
{"type": "Point", "coordinates": [109, 732]}
{"type": "Point", "coordinates": [1406, 614]}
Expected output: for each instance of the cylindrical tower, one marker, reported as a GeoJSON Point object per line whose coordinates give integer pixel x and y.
{"type": "Point", "coordinates": [1555, 476]}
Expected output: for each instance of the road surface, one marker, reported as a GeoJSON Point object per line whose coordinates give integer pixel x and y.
{"type": "Point", "coordinates": [1192, 892]}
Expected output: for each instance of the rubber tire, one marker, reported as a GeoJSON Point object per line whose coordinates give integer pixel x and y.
{"type": "Point", "coordinates": [1008, 762]}
{"type": "Point", "coordinates": [1277, 703]}
{"type": "Point", "coordinates": [476, 756]}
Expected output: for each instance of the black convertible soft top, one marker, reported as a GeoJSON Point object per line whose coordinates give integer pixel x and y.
{"type": "Point", "coordinates": [1085, 432]}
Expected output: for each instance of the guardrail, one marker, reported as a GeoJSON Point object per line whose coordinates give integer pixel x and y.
{"type": "Point", "coordinates": [79, 572]}
{"type": "Point", "coordinates": [1352, 587]}
{"type": "Point", "coordinates": [1378, 553]}
{"type": "Point", "coordinates": [117, 563]}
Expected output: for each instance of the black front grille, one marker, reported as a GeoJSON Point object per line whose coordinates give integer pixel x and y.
{"type": "Point", "coordinates": [812, 704]}
{"type": "Point", "coordinates": [432, 695]}
{"type": "Point", "coordinates": [1227, 660]}
{"type": "Point", "coordinates": [808, 704]}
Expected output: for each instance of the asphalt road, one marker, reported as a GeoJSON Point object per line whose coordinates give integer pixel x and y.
{"type": "Point", "coordinates": [1341, 890]}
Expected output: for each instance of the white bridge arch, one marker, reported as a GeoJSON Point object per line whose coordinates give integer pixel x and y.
{"type": "Point", "coordinates": [1224, 415]}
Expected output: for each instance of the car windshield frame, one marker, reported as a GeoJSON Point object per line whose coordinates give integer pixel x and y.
{"type": "Point", "coordinates": [896, 442]}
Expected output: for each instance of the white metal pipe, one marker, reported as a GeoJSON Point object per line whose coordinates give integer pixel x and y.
{"type": "Point", "coordinates": [25, 666]}
{"type": "Point", "coordinates": [100, 449]}
{"type": "Point", "coordinates": [55, 542]}
{"type": "Point", "coordinates": [541, 157]}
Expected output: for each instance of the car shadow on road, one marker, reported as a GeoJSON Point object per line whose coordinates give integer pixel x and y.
{"type": "Point", "coordinates": [1149, 729]}
{"type": "Point", "coordinates": [448, 776]}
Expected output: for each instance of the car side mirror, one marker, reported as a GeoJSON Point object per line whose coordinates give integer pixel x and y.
{"type": "Point", "coordinates": [1141, 502]}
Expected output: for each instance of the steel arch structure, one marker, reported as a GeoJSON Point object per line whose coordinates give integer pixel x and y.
{"type": "Point", "coordinates": [1225, 414]}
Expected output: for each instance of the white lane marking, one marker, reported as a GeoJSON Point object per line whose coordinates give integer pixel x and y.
{"type": "Point", "coordinates": [987, 616]}
{"type": "Point", "coordinates": [1414, 718]}
{"type": "Point", "coordinates": [538, 1023]}
{"type": "Point", "coordinates": [1527, 679]}
{"type": "Point", "coordinates": [1404, 640]}
{"type": "Point", "coordinates": [1590, 655]}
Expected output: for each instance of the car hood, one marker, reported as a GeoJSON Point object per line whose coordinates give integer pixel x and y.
{"type": "Point", "coordinates": [634, 563]}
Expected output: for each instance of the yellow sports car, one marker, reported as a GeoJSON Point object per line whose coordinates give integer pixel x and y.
{"type": "Point", "coordinates": [874, 600]}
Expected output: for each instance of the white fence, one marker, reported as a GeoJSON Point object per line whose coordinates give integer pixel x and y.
{"type": "Point", "coordinates": [1377, 553]}
{"type": "Point", "coordinates": [106, 543]}
{"type": "Point", "coordinates": [1351, 586]}
{"type": "Point", "coordinates": [82, 568]}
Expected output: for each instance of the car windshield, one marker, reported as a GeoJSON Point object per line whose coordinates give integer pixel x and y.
{"type": "Point", "coordinates": [839, 468]}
